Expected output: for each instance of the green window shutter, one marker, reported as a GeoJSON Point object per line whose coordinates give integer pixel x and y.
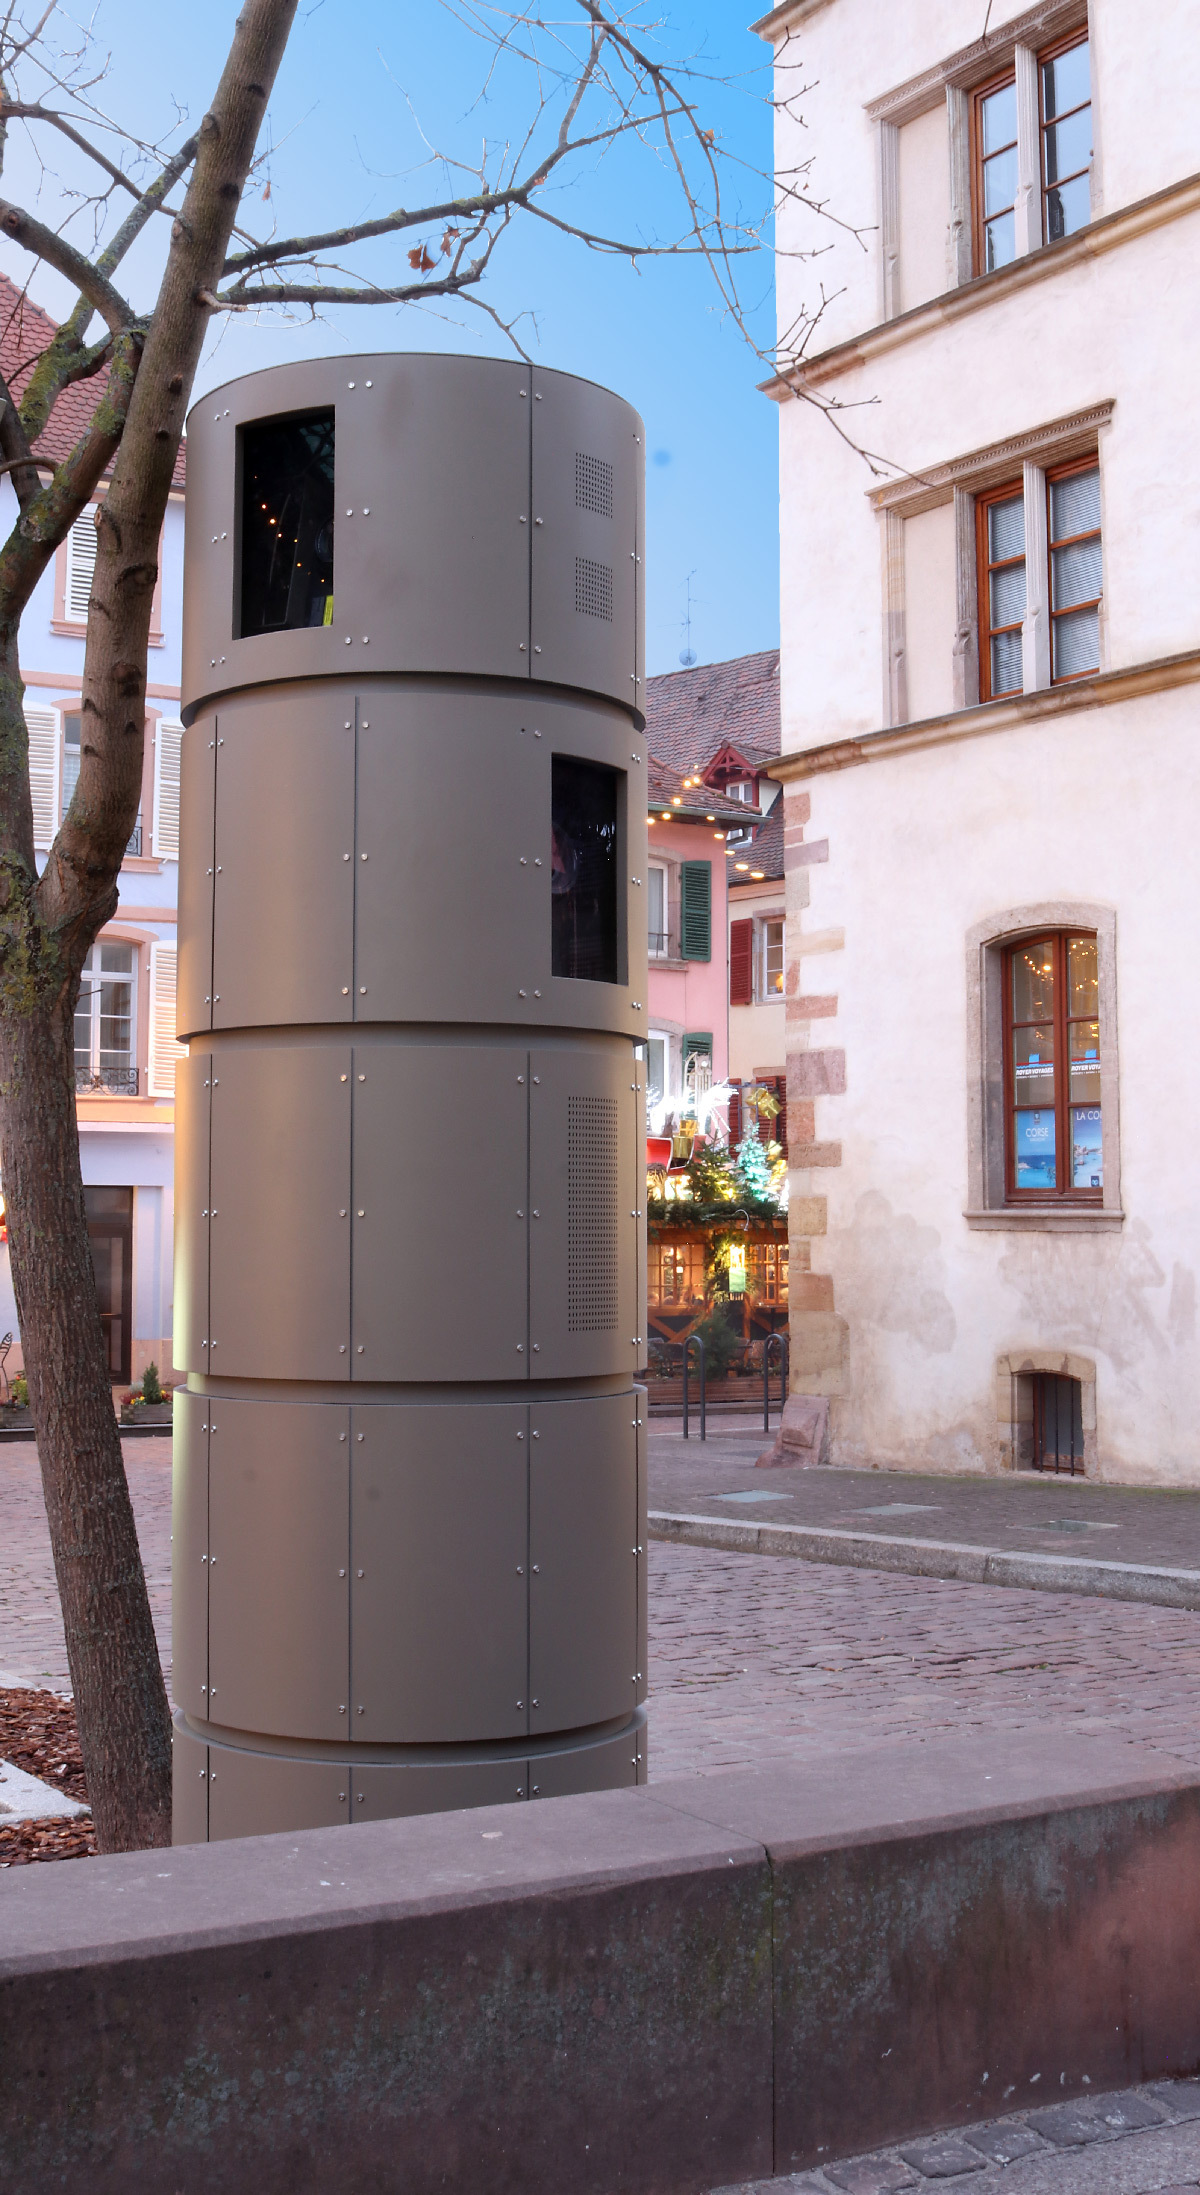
{"type": "Point", "coordinates": [695, 910]}
{"type": "Point", "coordinates": [697, 1040]}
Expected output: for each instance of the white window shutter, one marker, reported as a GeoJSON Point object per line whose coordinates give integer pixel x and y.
{"type": "Point", "coordinates": [81, 567]}
{"type": "Point", "coordinates": [164, 1050]}
{"type": "Point", "coordinates": [45, 741]}
{"type": "Point", "coordinates": [166, 788]}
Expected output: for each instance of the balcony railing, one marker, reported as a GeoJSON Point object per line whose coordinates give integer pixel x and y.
{"type": "Point", "coordinates": [107, 1081]}
{"type": "Point", "coordinates": [135, 839]}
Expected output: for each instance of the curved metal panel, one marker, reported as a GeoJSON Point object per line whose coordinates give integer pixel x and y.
{"type": "Point", "coordinates": [189, 1553]}
{"type": "Point", "coordinates": [197, 798]}
{"type": "Point", "coordinates": [279, 1554]}
{"type": "Point", "coordinates": [439, 1572]}
{"type": "Point", "coordinates": [189, 1786]}
{"type": "Point", "coordinates": [384, 1791]}
{"type": "Point", "coordinates": [432, 1298]}
{"type": "Point", "coordinates": [587, 457]}
{"type": "Point", "coordinates": [584, 1199]}
{"type": "Point", "coordinates": [280, 1212]}
{"type": "Point", "coordinates": [431, 554]}
{"type": "Point", "coordinates": [254, 1794]}
{"type": "Point", "coordinates": [583, 1562]}
{"type": "Point", "coordinates": [611, 1764]}
{"type": "Point", "coordinates": [283, 920]}
{"type": "Point", "coordinates": [193, 1094]}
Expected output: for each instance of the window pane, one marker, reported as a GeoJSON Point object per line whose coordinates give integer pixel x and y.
{"type": "Point", "coordinates": [998, 114]}
{"type": "Point", "coordinates": [1033, 1065]}
{"type": "Point", "coordinates": [1075, 575]}
{"type": "Point", "coordinates": [1068, 208]}
{"type": "Point", "coordinates": [1066, 80]}
{"type": "Point", "coordinates": [1007, 671]}
{"type": "Point", "coordinates": [1035, 1150]}
{"type": "Point", "coordinates": [656, 910]}
{"type": "Point", "coordinates": [1006, 529]}
{"type": "Point", "coordinates": [116, 1026]}
{"type": "Point", "coordinates": [1008, 595]}
{"type": "Point", "coordinates": [773, 959]}
{"type": "Point", "coordinates": [583, 870]}
{"type": "Point", "coordinates": [656, 1070]}
{"type": "Point", "coordinates": [117, 960]}
{"type": "Point", "coordinates": [1076, 644]}
{"type": "Point", "coordinates": [1075, 504]}
{"type": "Point", "coordinates": [1000, 182]}
{"type": "Point", "coordinates": [70, 778]}
{"type": "Point", "coordinates": [1087, 1156]}
{"type": "Point", "coordinates": [1000, 242]}
{"type": "Point", "coordinates": [1085, 1062]}
{"type": "Point", "coordinates": [287, 523]}
{"type": "Point", "coordinates": [1069, 145]}
{"type": "Point", "coordinates": [1033, 981]}
{"type": "Point", "coordinates": [1083, 977]}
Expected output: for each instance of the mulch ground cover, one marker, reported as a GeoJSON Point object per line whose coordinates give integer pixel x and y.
{"type": "Point", "coordinates": [38, 1734]}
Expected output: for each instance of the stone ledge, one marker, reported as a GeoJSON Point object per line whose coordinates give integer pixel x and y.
{"type": "Point", "coordinates": [655, 1991]}
{"type": "Point", "coordinates": [1117, 1581]}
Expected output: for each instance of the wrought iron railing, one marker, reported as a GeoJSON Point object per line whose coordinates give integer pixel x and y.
{"type": "Point", "coordinates": [135, 838]}
{"type": "Point", "coordinates": [111, 1081]}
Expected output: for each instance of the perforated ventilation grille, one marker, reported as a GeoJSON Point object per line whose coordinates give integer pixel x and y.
{"type": "Point", "coordinates": [593, 588]}
{"type": "Point", "coordinates": [593, 1125]}
{"type": "Point", "coordinates": [593, 485]}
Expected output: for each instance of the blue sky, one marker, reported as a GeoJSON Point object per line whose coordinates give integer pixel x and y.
{"type": "Point", "coordinates": [364, 81]}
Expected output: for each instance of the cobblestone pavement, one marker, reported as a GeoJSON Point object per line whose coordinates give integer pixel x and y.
{"type": "Point", "coordinates": [754, 1658]}
{"type": "Point", "coordinates": [1026, 1512]}
{"type": "Point", "coordinates": [1144, 2141]}
{"type": "Point", "coordinates": [31, 1637]}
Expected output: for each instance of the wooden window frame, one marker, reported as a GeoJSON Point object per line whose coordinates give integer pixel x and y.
{"type": "Point", "coordinates": [1007, 493]}
{"type": "Point", "coordinates": [978, 95]}
{"type": "Point", "coordinates": [1052, 53]}
{"type": "Point", "coordinates": [1094, 533]}
{"type": "Point", "coordinates": [1064, 1192]}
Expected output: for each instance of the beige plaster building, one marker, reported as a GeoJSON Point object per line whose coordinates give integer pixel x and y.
{"type": "Point", "coordinates": [990, 710]}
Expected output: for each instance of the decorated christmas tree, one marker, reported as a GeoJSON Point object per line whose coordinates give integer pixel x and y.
{"type": "Point", "coordinates": [753, 1166]}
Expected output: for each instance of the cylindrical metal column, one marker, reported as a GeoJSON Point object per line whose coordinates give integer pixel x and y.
{"type": "Point", "coordinates": [409, 1489]}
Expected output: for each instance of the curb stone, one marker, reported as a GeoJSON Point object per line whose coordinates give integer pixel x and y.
{"type": "Point", "coordinates": [1047, 2143]}
{"type": "Point", "coordinates": [967, 1565]}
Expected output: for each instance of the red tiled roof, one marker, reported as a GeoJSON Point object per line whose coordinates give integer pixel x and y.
{"type": "Point", "coordinates": [764, 852]}
{"type": "Point", "coordinates": [697, 804]}
{"type": "Point", "coordinates": [691, 715]}
{"type": "Point", "coordinates": [25, 332]}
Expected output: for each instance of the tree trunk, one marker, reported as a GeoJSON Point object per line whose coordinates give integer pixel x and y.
{"type": "Point", "coordinates": [47, 924]}
{"type": "Point", "coordinates": [121, 1700]}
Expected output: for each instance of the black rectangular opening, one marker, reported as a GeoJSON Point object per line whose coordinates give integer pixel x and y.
{"type": "Point", "coordinates": [583, 869]}
{"type": "Point", "coordinates": [287, 523]}
{"type": "Point", "coordinates": [1057, 1424]}
{"type": "Point", "coordinates": [110, 1232]}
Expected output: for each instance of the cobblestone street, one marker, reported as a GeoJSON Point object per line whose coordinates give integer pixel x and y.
{"type": "Point", "coordinates": [754, 1657]}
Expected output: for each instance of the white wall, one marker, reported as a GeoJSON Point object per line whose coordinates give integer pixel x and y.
{"type": "Point", "coordinates": [1097, 807]}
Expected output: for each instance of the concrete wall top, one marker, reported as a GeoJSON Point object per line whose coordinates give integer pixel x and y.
{"type": "Point", "coordinates": [488, 520]}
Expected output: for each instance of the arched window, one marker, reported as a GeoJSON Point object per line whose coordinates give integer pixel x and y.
{"type": "Point", "coordinates": [1053, 1095]}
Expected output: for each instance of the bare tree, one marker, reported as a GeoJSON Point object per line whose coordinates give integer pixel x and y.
{"type": "Point", "coordinates": [595, 83]}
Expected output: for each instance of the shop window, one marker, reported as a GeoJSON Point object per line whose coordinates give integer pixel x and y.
{"type": "Point", "coordinates": [1052, 1065]}
{"type": "Point", "coordinates": [676, 1274]}
{"type": "Point", "coordinates": [583, 866]}
{"type": "Point", "coordinates": [287, 523]}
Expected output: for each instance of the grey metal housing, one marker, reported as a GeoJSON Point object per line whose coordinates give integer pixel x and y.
{"type": "Point", "coordinates": [410, 1248]}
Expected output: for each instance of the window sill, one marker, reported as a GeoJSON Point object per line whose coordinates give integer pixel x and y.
{"type": "Point", "coordinates": [1048, 1219]}
{"type": "Point", "coordinates": [664, 960]}
{"type": "Point", "coordinates": [75, 628]}
{"type": "Point", "coordinates": [146, 864]}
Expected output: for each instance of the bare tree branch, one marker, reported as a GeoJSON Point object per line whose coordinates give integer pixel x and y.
{"type": "Point", "coordinates": [35, 237]}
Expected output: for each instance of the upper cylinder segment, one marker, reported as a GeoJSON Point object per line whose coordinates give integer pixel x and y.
{"type": "Point", "coordinates": [414, 514]}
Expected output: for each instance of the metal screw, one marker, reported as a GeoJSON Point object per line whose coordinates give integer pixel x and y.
{"type": "Point", "coordinates": [360, 1710]}
{"type": "Point", "coordinates": [341, 1573]}
{"type": "Point", "coordinates": [362, 1573]}
{"type": "Point", "coordinates": [537, 1573]}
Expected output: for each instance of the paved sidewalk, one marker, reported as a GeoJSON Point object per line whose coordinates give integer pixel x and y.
{"type": "Point", "coordinates": [32, 1651]}
{"type": "Point", "coordinates": [1027, 1529]}
{"type": "Point", "coordinates": [1144, 2141]}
